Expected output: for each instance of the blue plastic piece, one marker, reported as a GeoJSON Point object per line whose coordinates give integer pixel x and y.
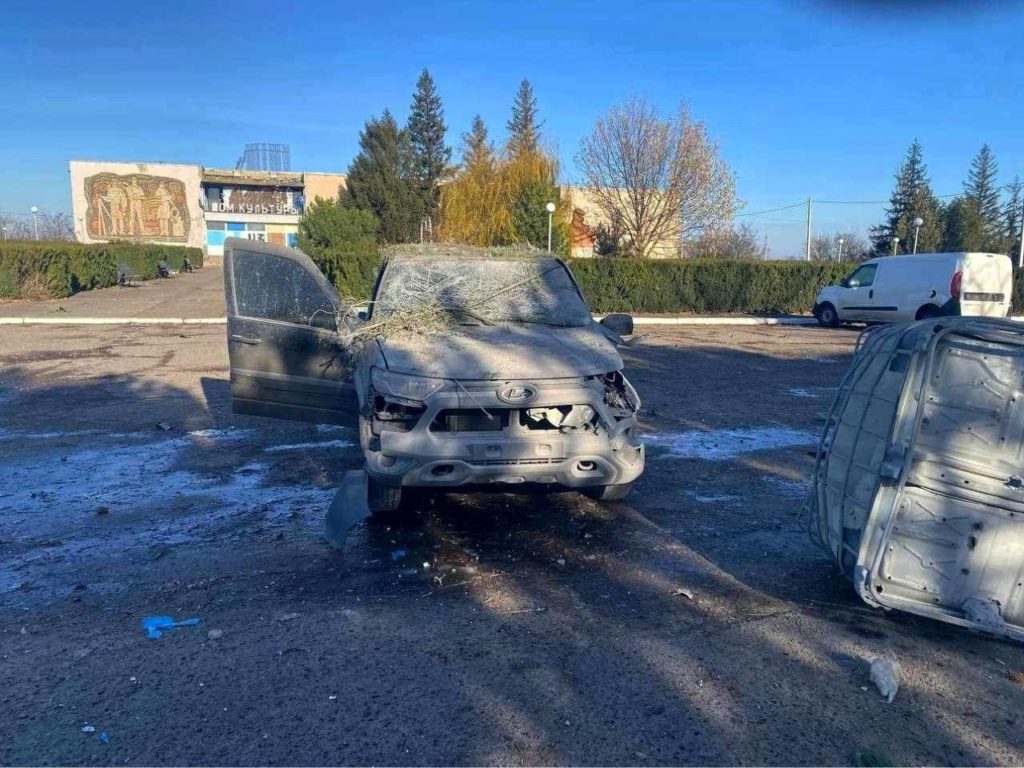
{"type": "Point", "coordinates": [398, 554]}
{"type": "Point", "coordinates": [104, 737]}
{"type": "Point", "coordinates": [153, 624]}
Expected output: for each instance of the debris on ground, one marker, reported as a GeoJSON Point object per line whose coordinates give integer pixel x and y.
{"type": "Point", "coordinates": [1015, 677]}
{"type": "Point", "coordinates": [885, 674]}
{"type": "Point", "coordinates": [163, 425]}
{"type": "Point", "coordinates": [920, 457]}
{"type": "Point", "coordinates": [288, 616]}
{"type": "Point", "coordinates": [398, 554]}
{"type": "Point", "coordinates": [215, 634]}
{"type": "Point", "coordinates": [104, 737]}
{"type": "Point", "coordinates": [102, 510]}
{"type": "Point", "coordinates": [88, 728]}
{"type": "Point", "coordinates": [154, 624]}
{"type": "Point", "coordinates": [348, 508]}
{"type": "Point", "coordinates": [680, 592]}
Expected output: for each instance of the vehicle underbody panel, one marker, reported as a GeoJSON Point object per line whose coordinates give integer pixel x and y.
{"type": "Point", "coordinates": [918, 494]}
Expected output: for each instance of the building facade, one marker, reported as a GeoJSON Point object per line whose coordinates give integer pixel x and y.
{"type": "Point", "coordinates": [191, 205]}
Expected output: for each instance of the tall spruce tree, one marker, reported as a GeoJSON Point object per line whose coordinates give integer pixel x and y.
{"type": "Point", "coordinates": [523, 128]}
{"type": "Point", "coordinates": [426, 130]}
{"type": "Point", "coordinates": [982, 189]}
{"type": "Point", "coordinates": [912, 198]}
{"type": "Point", "coordinates": [1012, 215]}
{"type": "Point", "coordinates": [380, 180]}
{"type": "Point", "coordinates": [964, 227]}
{"type": "Point", "coordinates": [477, 151]}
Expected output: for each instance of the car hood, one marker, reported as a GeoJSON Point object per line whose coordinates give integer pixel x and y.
{"type": "Point", "coordinates": [504, 352]}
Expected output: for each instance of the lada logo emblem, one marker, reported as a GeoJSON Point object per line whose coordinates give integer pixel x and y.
{"type": "Point", "coordinates": [517, 393]}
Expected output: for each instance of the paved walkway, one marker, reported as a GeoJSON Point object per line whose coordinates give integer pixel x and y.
{"type": "Point", "coordinates": [198, 294]}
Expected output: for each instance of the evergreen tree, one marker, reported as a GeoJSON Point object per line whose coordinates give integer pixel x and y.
{"type": "Point", "coordinates": [964, 227]}
{"type": "Point", "coordinates": [912, 198]}
{"type": "Point", "coordinates": [426, 132]}
{"type": "Point", "coordinates": [1012, 215]}
{"type": "Point", "coordinates": [982, 190]}
{"type": "Point", "coordinates": [477, 152]}
{"type": "Point", "coordinates": [380, 180]}
{"type": "Point", "coordinates": [523, 128]}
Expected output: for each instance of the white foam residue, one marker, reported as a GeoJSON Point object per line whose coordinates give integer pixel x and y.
{"type": "Point", "coordinates": [723, 444]}
{"type": "Point", "coordinates": [797, 489]}
{"type": "Point", "coordinates": [801, 392]}
{"type": "Point", "coordinates": [303, 446]}
{"type": "Point", "coordinates": [712, 498]}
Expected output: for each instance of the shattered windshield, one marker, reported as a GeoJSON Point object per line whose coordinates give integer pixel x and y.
{"type": "Point", "coordinates": [484, 291]}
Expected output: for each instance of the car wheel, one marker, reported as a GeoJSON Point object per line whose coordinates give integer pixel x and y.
{"type": "Point", "coordinates": [827, 316]}
{"type": "Point", "coordinates": [608, 492]}
{"type": "Point", "coordinates": [382, 499]}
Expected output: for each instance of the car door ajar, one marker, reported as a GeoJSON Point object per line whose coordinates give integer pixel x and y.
{"type": "Point", "coordinates": [283, 342]}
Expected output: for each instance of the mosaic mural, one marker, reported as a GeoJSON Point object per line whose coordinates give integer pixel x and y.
{"type": "Point", "coordinates": [136, 206]}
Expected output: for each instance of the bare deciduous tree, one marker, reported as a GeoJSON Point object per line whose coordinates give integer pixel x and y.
{"type": "Point", "coordinates": [827, 248]}
{"type": "Point", "coordinates": [52, 226]}
{"type": "Point", "coordinates": [661, 179]}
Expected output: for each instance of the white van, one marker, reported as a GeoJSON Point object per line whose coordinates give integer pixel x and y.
{"type": "Point", "coordinates": [903, 288]}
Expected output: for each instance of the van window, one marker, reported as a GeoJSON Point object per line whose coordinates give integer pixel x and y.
{"type": "Point", "coordinates": [863, 277]}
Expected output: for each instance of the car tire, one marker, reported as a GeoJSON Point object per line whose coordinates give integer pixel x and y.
{"type": "Point", "coordinates": [608, 492]}
{"type": "Point", "coordinates": [382, 499]}
{"type": "Point", "coordinates": [827, 316]}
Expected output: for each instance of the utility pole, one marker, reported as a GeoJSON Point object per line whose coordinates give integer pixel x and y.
{"type": "Point", "coordinates": [1020, 246]}
{"type": "Point", "coordinates": [808, 229]}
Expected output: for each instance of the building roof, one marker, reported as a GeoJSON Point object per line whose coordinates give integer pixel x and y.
{"type": "Point", "coordinates": [252, 178]}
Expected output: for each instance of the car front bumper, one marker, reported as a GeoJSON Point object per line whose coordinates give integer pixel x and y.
{"type": "Point", "coordinates": [606, 452]}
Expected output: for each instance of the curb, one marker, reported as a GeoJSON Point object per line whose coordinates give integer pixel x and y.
{"type": "Point", "coordinates": [223, 320]}
{"type": "Point", "coordinates": [113, 320]}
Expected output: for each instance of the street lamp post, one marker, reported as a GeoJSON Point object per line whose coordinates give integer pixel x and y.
{"type": "Point", "coordinates": [35, 220]}
{"type": "Point", "coordinates": [840, 249]}
{"type": "Point", "coordinates": [917, 229]}
{"type": "Point", "coordinates": [895, 242]}
{"type": "Point", "coordinates": [550, 208]}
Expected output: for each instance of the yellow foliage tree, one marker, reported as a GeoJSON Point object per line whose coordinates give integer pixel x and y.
{"type": "Point", "coordinates": [500, 200]}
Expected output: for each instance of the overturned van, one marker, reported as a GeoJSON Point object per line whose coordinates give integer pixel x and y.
{"type": "Point", "coordinates": [918, 489]}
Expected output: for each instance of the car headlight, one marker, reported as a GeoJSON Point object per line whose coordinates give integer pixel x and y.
{"type": "Point", "coordinates": [416, 388]}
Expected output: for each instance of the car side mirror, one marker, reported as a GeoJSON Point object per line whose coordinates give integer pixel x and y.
{"type": "Point", "coordinates": [618, 323]}
{"type": "Point", "coordinates": [845, 283]}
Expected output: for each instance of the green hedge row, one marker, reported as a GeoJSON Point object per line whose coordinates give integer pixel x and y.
{"type": "Point", "coordinates": [703, 285]}
{"type": "Point", "coordinates": [58, 269]}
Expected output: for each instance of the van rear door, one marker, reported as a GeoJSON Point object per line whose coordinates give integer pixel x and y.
{"type": "Point", "coordinates": [986, 285]}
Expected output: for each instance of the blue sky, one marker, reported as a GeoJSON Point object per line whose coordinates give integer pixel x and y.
{"type": "Point", "coordinates": [807, 99]}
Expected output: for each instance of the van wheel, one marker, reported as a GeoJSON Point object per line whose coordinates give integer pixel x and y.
{"type": "Point", "coordinates": [608, 492]}
{"type": "Point", "coordinates": [827, 316]}
{"type": "Point", "coordinates": [928, 312]}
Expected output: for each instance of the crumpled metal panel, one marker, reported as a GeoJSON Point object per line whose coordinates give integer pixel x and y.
{"type": "Point", "coordinates": [918, 491]}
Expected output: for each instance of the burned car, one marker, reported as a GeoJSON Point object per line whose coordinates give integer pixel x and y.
{"type": "Point", "coordinates": [465, 371]}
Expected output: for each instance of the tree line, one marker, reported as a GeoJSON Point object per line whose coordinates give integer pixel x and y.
{"type": "Point", "coordinates": [651, 181]}
{"type": "Point", "coordinates": [403, 187]}
{"type": "Point", "coordinates": [984, 217]}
